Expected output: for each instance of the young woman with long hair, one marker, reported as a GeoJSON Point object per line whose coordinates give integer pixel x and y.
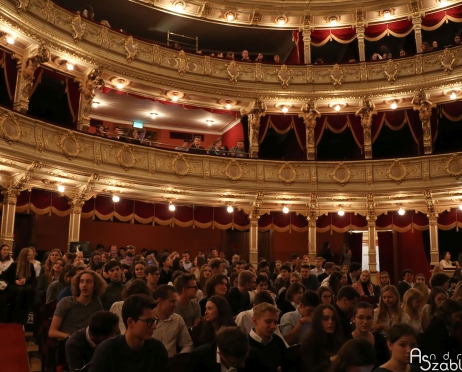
{"type": "Point", "coordinates": [422, 288]}
{"type": "Point", "coordinates": [104, 257]}
{"type": "Point", "coordinates": [401, 339]}
{"type": "Point", "coordinates": [436, 298]}
{"type": "Point", "coordinates": [389, 311]}
{"type": "Point", "coordinates": [334, 283]}
{"type": "Point", "coordinates": [412, 303]}
{"type": "Point", "coordinates": [216, 285]}
{"type": "Point", "coordinates": [137, 271]}
{"type": "Point", "coordinates": [325, 295]}
{"type": "Point", "coordinates": [218, 314]}
{"type": "Point", "coordinates": [365, 287]}
{"type": "Point", "coordinates": [52, 257]}
{"type": "Point", "coordinates": [20, 277]}
{"type": "Point", "coordinates": [95, 259]}
{"type": "Point", "coordinates": [204, 275]}
{"type": "Point", "coordinates": [384, 279]}
{"type": "Point", "coordinates": [323, 340]}
{"type": "Point", "coordinates": [363, 319]}
{"type": "Point", "coordinates": [45, 280]}
{"type": "Point", "coordinates": [5, 258]}
{"type": "Point", "coordinates": [55, 288]}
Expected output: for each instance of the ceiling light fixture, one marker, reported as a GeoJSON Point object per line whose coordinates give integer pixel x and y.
{"type": "Point", "coordinates": [285, 209]}
{"type": "Point", "coordinates": [95, 104]}
{"type": "Point", "coordinates": [230, 209]}
{"type": "Point", "coordinates": [281, 20]}
{"type": "Point", "coordinates": [153, 115]}
{"type": "Point", "coordinates": [120, 84]}
{"type": "Point", "coordinates": [453, 95]}
{"type": "Point", "coordinates": [209, 122]}
{"type": "Point", "coordinates": [401, 211]}
{"type": "Point", "coordinates": [69, 66]}
{"type": "Point", "coordinates": [333, 20]}
{"type": "Point", "coordinates": [337, 108]}
{"type": "Point", "coordinates": [230, 16]}
{"type": "Point", "coordinates": [179, 5]}
{"type": "Point", "coordinates": [228, 106]}
{"type": "Point", "coordinates": [341, 212]}
{"type": "Point", "coordinates": [175, 98]}
{"type": "Point", "coordinates": [10, 39]}
{"type": "Point", "coordinates": [61, 188]}
{"type": "Point", "coordinates": [171, 207]}
{"type": "Point", "coordinates": [394, 105]}
{"type": "Point", "coordinates": [460, 207]}
{"type": "Point", "coordinates": [285, 109]}
{"type": "Point", "coordinates": [115, 199]}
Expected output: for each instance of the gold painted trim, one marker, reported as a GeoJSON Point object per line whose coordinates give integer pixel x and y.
{"type": "Point", "coordinates": [180, 158]}
{"type": "Point", "coordinates": [69, 136]}
{"type": "Point", "coordinates": [10, 119]}
{"type": "Point", "coordinates": [128, 149]}
{"type": "Point", "coordinates": [403, 171]}
{"type": "Point", "coordinates": [291, 179]}
{"type": "Point", "coordinates": [226, 171]}
{"type": "Point", "coordinates": [335, 176]}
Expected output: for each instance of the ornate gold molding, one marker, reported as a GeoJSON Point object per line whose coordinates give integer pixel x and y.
{"type": "Point", "coordinates": [284, 75]}
{"type": "Point", "coordinates": [453, 166]}
{"type": "Point", "coordinates": [233, 170]}
{"type": "Point", "coordinates": [341, 174]}
{"type": "Point", "coordinates": [287, 173]}
{"type": "Point", "coordinates": [397, 171]}
{"type": "Point", "coordinates": [391, 70]}
{"type": "Point", "coordinates": [233, 71]}
{"type": "Point", "coordinates": [69, 144]}
{"type": "Point", "coordinates": [131, 48]}
{"type": "Point", "coordinates": [78, 28]}
{"type": "Point", "coordinates": [337, 74]}
{"type": "Point", "coordinates": [447, 60]}
{"type": "Point", "coordinates": [125, 156]}
{"type": "Point", "coordinates": [10, 129]}
{"type": "Point", "coordinates": [180, 165]}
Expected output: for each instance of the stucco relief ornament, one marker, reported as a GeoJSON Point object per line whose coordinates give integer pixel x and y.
{"type": "Point", "coordinates": [78, 28]}
{"type": "Point", "coordinates": [453, 166]}
{"type": "Point", "coordinates": [337, 75]}
{"type": "Point", "coordinates": [397, 171]}
{"type": "Point", "coordinates": [131, 48]}
{"type": "Point", "coordinates": [69, 144]}
{"type": "Point", "coordinates": [180, 166]}
{"type": "Point", "coordinates": [181, 60]}
{"type": "Point", "coordinates": [391, 70]}
{"type": "Point", "coordinates": [447, 60]}
{"type": "Point", "coordinates": [287, 173]}
{"type": "Point", "coordinates": [10, 129]}
{"type": "Point", "coordinates": [284, 75]}
{"type": "Point", "coordinates": [21, 5]}
{"type": "Point", "coordinates": [233, 171]}
{"type": "Point", "coordinates": [233, 71]}
{"type": "Point", "coordinates": [125, 156]}
{"type": "Point", "coordinates": [341, 174]}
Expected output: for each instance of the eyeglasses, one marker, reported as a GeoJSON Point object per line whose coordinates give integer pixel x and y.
{"type": "Point", "coordinates": [363, 318]}
{"type": "Point", "coordinates": [149, 322]}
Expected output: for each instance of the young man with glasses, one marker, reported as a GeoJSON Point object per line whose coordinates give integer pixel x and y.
{"type": "Point", "coordinates": [151, 273]}
{"type": "Point", "coordinates": [136, 350]}
{"type": "Point", "coordinates": [187, 308]}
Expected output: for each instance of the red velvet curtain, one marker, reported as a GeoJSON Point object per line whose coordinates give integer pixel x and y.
{"type": "Point", "coordinates": [342, 35]}
{"type": "Point", "coordinates": [231, 136]}
{"type": "Point", "coordinates": [411, 253]}
{"type": "Point", "coordinates": [282, 124]}
{"type": "Point", "coordinates": [337, 124]}
{"type": "Point", "coordinates": [434, 20]}
{"type": "Point", "coordinates": [397, 29]}
{"type": "Point", "coordinates": [9, 69]}
{"type": "Point", "coordinates": [386, 256]}
{"type": "Point", "coordinates": [355, 242]}
{"type": "Point", "coordinates": [73, 97]}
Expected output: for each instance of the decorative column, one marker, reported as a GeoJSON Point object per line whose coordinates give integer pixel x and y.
{"type": "Point", "coordinates": [257, 111]}
{"type": "Point", "coordinates": [424, 106]}
{"type": "Point", "coordinates": [433, 227]}
{"type": "Point", "coordinates": [371, 231]}
{"type": "Point", "coordinates": [309, 115]}
{"type": "Point", "coordinates": [417, 22]}
{"type": "Point", "coordinates": [307, 44]}
{"type": "Point", "coordinates": [25, 77]}
{"type": "Point", "coordinates": [312, 218]}
{"type": "Point", "coordinates": [366, 111]}
{"type": "Point", "coordinates": [360, 30]}
{"type": "Point", "coordinates": [8, 213]}
{"type": "Point", "coordinates": [87, 92]}
{"type": "Point", "coordinates": [254, 216]}
{"type": "Point", "coordinates": [76, 202]}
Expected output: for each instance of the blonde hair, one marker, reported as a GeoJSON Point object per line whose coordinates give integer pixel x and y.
{"type": "Point", "coordinates": [410, 296]}
{"type": "Point", "coordinates": [48, 266]}
{"type": "Point", "coordinates": [50, 274]}
{"type": "Point", "coordinates": [262, 308]}
{"type": "Point", "coordinates": [422, 288]}
{"type": "Point", "coordinates": [23, 268]}
{"type": "Point", "coordinates": [382, 316]}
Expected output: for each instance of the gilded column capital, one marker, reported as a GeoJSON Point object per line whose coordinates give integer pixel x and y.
{"type": "Point", "coordinates": [421, 103]}
{"type": "Point", "coordinates": [76, 205]}
{"type": "Point", "coordinates": [19, 182]}
{"type": "Point", "coordinates": [10, 196]}
{"type": "Point", "coordinates": [366, 112]}
{"type": "Point", "coordinates": [309, 115]}
{"type": "Point", "coordinates": [82, 194]}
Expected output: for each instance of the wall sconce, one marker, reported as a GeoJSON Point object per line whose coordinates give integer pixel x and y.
{"type": "Point", "coordinates": [230, 16]}
{"type": "Point", "coordinates": [230, 209]}
{"type": "Point", "coordinates": [285, 209]}
{"type": "Point", "coordinates": [341, 212]}
{"type": "Point", "coordinates": [171, 207]}
{"type": "Point", "coordinates": [115, 198]}
{"type": "Point", "coordinates": [281, 20]}
{"type": "Point", "coordinates": [401, 211]}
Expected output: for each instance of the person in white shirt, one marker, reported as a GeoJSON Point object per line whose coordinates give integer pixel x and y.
{"type": "Point", "coordinates": [318, 269]}
{"type": "Point", "coordinates": [244, 319]}
{"type": "Point", "coordinates": [171, 329]}
{"type": "Point", "coordinates": [446, 262]}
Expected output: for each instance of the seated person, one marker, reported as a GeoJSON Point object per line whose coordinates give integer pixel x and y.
{"type": "Point", "coordinates": [227, 353]}
{"type": "Point", "coordinates": [259, 58]}
{"type": "Point", "coordinates": [136, 350]}
{"type": "Point", "coordinates": [277, 59]}
{"type": "Point", "coordinates": [55, 288]}
{"type": "Point", "coordinates": [67, 291]}
{"type": "Point", "coordinates": [114, 289]}
{"type": "Point", "coordinates": [295, 324]}
{"type": "Point", "coordinates": [215, 149]}
{"type": "Point", "coordinates": [238, 151]}
{"type": "Point", "coordinates": [446, 262]}
{"type": "Point", "coordinates": [196, 147]}
{"type": "Point", "coordinates": [245, 55]}
{"type": "Point", "coordinates": [267, 350]}
{"type": "Point", "coordinates": [238, 297]}
{"type": "Point", "coordinates": [74, 312]}
{"type": "Point", "coordinates": [184, 147]}
{"type": "Point", "coordinates": [456, 40]}
{"type": "Point", "coordinates": [82, 344]}
{"type": "Point", "coordinates": [171, 329]}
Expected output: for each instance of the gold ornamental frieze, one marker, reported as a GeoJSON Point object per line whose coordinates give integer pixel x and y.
{"type": "Point", "coordinates": [287, 173]}
{"type": "Point", "coordinates": [233, 71]}
{"type": "Point", "coordinates": [78, 28]}
{"type": "Point", "coordinates": [131, 49]}
{"type": "Point", "coordinates": [284, 75]}
{"type": "Point", "coordinates": [447, 60]}
{"type": "Point", "coordinates": [390, 70]}
{"type": "Point", "coordinates": [233, 170]}
{"type": "Point", "coordinates": [337, 75]}
{"type": "Point", "coordinates": [69, 144]}
{"type": "Point", "coordinates": [10, 129]}
{"type": "Point", "coordinates": [453, 166]}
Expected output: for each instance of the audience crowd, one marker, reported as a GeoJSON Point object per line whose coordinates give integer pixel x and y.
{"type": "Point", "coordinates": [124, 310]}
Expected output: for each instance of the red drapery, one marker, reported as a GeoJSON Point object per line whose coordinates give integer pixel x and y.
{"type": "Point", "coordinates": [434, 20]}
{"type": "Point", "coordinates": [282, 124]}
{"type": "Point", "coordinates": [321, 37]}
{"type": "Point", "coordinates": [231, 136]}
{"type": "Point", "coordinates": [9, 69]}
{"type": "Point", "coordinates": [337, 124]}
{"type": "Point", "coordinates": [297, 55]}
{"type": "Point", "coordinates": [397, 29]}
